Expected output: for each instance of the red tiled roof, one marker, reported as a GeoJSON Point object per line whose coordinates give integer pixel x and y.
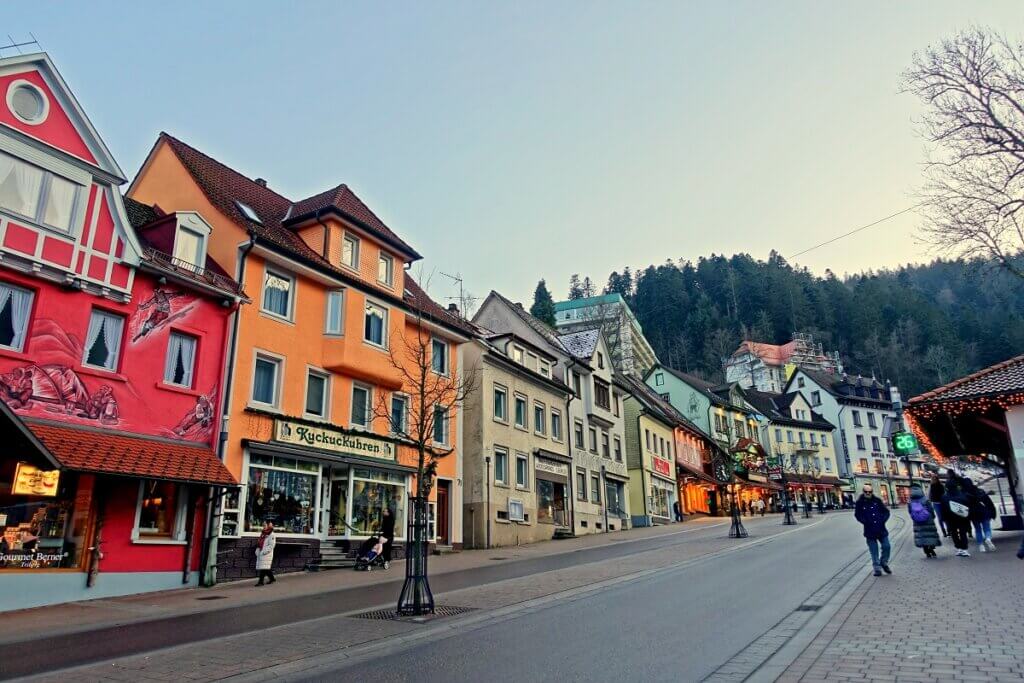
{"type": "Point", "coordinates": [420, 300]}
{"type": "Point", "coordinates": [775, 354]}
{"type": "Point", "coordinates": [106, 452]}
{"type": "Point", "coordinates": [224, 186]}
{"type": "Point", "coordinates": [1002, 378]}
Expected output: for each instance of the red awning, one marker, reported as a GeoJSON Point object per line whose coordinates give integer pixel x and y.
{"type": "Point", "coordinates": [695, 473]}
{"type": "Point", "coordinates": [105, 452]}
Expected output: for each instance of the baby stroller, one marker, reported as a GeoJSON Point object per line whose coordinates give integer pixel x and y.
{"type": "Point", "coordinates": [371, 554]}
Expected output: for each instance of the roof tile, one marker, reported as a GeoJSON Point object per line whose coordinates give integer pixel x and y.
{"type": "Point", "coordinates": [1002, 378]}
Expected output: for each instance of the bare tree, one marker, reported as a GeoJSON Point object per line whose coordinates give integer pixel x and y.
{"type": "Point", "coordinates": [973, 198]}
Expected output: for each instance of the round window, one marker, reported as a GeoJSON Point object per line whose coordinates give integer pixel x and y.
{"type": "Point", "coordinates": [27, 102]}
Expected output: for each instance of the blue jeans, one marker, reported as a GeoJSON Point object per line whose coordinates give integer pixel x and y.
{"type": "Point", "coordinates": [873, 545]}
{"type": "Point", "coordinates": [982, 531]}
{"type": "Point", "coordinates": [938, 515]}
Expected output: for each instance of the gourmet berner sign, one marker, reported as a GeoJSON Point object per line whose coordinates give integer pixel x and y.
{"type": "Point", "coordinates": [364, 446]}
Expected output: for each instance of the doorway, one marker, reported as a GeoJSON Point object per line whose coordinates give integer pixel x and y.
{"type": "Point", "coordinates": [443, 511]}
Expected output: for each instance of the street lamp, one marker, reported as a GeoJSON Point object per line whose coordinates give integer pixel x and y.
{"type": "Point", "coordinates": [736, 530]}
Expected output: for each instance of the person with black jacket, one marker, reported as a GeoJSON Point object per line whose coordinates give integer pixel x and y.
{"type": "Point", "coordinates": [935, 494]}
{"type": "Point", "coordinates": [387, 531]}
{"type": "Point", "coordinates": [983, 511]}
{"type": "Point", "coordinates": [956, 510]}
{"type": "Point", "coordinates": [872, 513]}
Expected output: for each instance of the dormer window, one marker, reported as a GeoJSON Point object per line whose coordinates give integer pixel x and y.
{"type": "Point", "coordinates": [350, 252]}
{"type": "Point", "coordinates": [190, 237]}
{"type": "Point", "coordinates": [518, 355]}
{"type": "Point", "coordinates": [37, 195]}
{"type": "Point", "coordinates": [386, 269]}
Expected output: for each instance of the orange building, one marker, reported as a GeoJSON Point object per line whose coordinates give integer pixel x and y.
{"type": "Point", "coordinates": [313, 387]}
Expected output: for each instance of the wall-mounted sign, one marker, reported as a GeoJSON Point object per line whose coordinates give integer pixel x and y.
{"type": "Point", "coordinates": [32, 481]}
{"type": "Point", "coordinates": [904, 443]}
{"type": "Point", "coordinates": [663, 467]}
{"type": "Point", "coordinates": [364, 446]}
{"type": "Point", "coordinates": [551, 467]}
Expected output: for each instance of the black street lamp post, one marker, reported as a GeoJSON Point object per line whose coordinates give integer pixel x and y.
{"type": "Point", "coordinates": [736, 530]}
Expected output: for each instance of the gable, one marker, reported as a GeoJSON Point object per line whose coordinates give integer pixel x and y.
{"type": "Point", "coordinates": [62, 124]}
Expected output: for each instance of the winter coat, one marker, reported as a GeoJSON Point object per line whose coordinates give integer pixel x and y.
{"type": "Point", "coordinates": [872, 513]}
{"type": "Point", "coordinates": [990, 507]}
{"type": "Point", "coordinates": [936, 492]}
{"type": "Point", "coordinates": [956, 492]}
{"type": "Point", "coordinates": [925, 533]}
{"type": "Point", "coordinates": [265, 555]}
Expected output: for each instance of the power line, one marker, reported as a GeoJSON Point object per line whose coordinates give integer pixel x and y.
{"type": "Point", "coordinates": [854, 231]}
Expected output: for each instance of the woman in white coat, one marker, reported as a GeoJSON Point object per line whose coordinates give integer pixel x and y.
{"type": "Point", "coordinates": [265, 554]}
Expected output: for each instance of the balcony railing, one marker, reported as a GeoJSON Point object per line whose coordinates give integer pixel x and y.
{"type": "Point", "coordinates": [192, 271]}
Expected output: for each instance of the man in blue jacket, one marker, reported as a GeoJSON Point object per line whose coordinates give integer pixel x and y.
{"type": "Point", "coordinates": [872, 514]}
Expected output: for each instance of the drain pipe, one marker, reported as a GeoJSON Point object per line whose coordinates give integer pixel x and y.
{"type": "Point", "coordinates": [643, 470]}
{"type": "Point", "coordinates": [487, 460]}
{"type": "Point", "coordinates": [569, 431]}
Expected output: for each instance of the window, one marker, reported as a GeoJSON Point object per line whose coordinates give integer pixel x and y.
{"type": "Point", "coordinates": [277, 294]}
{"type": "Point", "coordinates": [647, 439]}
{"type": "Point", "coordinates": [616, 399]}
{"type": "Point", "coordinates": [316, 393]}
{"type": "Point", "coordinates": [386, 269]}
{"type": "Point", "coordinates": [801, 436]}
{"type": "Point", "coordinates": [556, 425]}
{"type": "Point", "coordinates": [879, 467]}
{"type": "Point", "coordinates": [160, 509]}
{"type": "Point", "coordinates": [814, 439]}
{"type": "Point", "coordinates": [515, 511]}
{"type": "Point", "coordinates": [350, 251]}
{"type": "Point", "coordinates": [179, 363]}
{"type": "Point", "coordinates": [500, 403]}
{"type": "Point", "coordinates": [602, 397]}
{"type": "Point", "coordinates": [856, 419]}
{"type": "Point", "coordinates": [595, 489]}
{"type": "Point", "coordinates": [544, 367]}
{"type": "Point", "coordinates": [265, 380]}
{"type": "Point", "coordinates": [361, 406]}
{"type": "Point", "coordinates": [103, 340]}
{"type": "Point", "coordinates": [874, 444]}
{"type": "Point", "coordinates": [518, 355]}
{"type": "Point", "coordinates": [375, 324]}
{"type": "Point", "coordinates": [593, 439]}
{"type": "Point", "coordinates": [581, 485]}
{"type": "Point", "coordinates": [15, 309]}
{"type": "Point", "coordinates": [789, 435]}
{"type": "Point", "coordinates": [37, 195]}
{"type": "Point", "coordinates": [440, 425]}
{"type": "Point", "coordinates": [737, 426]}
{"type": "Point", "coordinates": [522, 471]}
{"type": "Point", "coordinates": [188, 246]}
{"type": "Point", "coordinates": [248, 212]}
{"type": "Point", "coordinates": [871, 420]}
{"type": "Point", "coordinates": [863, 465]}
{"type": "Point", "coordinates": [439, 356]}
{"type": "Point", "coordinates": [800, 382]}
{"type": "Point", "coordinates": [815, 398]}
{"type": "Point", "coordinates": [540, 418]}
{"type": "Point", "coordinates": [521, 411]}
{"type": "Point", "coordinates": [824, 439]}
{"type": "Point", "coordinates": [532, 361]}
{"type": "Point", "coordinates": [860, 442]}
{"type": "Point", "coordinates": [335, 312]}
{"type": "Point", "coordinates": [576, 384]}
{"type": "Point", "coordinates": [27, 102]}
{"type": "Point", "coordinates": [577, 434]}
{"type": "Point", "coordinates": [600, 360]}
{"type": "Point", "coordinates": [605, 449]}
{"type": "Point", "coordinates": [500, 465]}
{"type": "Point", "coordinates": [399, 414]}
{"type": "Point", "coordinates": [778, 435]}
{"type": "Point", "coordinates": [618, 449]}
{"type": "Point", "coordinates": [276, 489]}
{"type": "Point", "coordinates": [828, 464]}
{"type": "Point", "coordinates": [659, 379]}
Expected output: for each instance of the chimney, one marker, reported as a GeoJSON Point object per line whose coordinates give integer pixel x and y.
{"type": "Point", "coordinates": [262, 182]}
{"type": "Point", "coordinates": [519, 305]}
{"type": "Point", "coordinates": [453, 309]}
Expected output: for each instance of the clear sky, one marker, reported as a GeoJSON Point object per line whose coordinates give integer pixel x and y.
{"type": "Point", "coordinates": [514, 141]}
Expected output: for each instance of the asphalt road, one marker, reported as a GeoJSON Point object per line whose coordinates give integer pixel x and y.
{"type": "Point", "coordinates": [680, 624]}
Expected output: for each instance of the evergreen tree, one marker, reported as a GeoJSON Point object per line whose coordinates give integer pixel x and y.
{"type": "Point", "coordinates": [543, 307]}
{"type": "Point", "coordinates": [588, 287]}
{"type": "Point", "coordinates": [575, 288]}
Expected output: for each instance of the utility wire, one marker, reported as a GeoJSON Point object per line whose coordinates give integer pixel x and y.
{"type": "Point", "coordinates": [854, 231]}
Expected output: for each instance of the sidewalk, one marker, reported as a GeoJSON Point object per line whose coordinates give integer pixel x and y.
{"type": "Point", "coordinates": [949, 618]}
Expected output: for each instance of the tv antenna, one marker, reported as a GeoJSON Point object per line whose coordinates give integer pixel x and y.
{"type": "Point", "coordinates": [15, 45]}
{"type": "Point", "coordinates": [462, 298]}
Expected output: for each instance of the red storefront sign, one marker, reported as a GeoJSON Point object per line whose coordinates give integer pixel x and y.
{"type": "Point", "coordinates": [663, 467]}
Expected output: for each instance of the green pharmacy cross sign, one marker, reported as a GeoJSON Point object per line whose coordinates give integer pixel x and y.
{"type": "Point", "coordinates": [904, 443]}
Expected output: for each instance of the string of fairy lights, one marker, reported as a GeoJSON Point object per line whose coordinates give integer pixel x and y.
{"type": "Point", "coordinates": [930, 411]}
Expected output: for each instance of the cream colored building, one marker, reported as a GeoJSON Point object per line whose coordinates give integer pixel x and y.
{"type": "Point", "coordinates": [517, 467]}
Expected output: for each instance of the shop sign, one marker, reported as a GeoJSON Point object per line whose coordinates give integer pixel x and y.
{"type": "Point", "coordinates": [32, 481]}
{"type": "Point", "coordinates": [364, 446]}
{"type": "Point", "coordinates": [551, 467]}
{"type": "Point", "coordinates": [775, 473]}
{"type": "Point", "coordinates": [663, 467]}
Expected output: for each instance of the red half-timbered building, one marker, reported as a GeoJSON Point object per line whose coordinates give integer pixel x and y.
{"type": "Point", "coordinates": [113, 333]}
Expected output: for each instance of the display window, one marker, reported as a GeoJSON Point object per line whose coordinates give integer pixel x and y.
{"type": "Point", "coordinates": [282, 491]}
{"type": "Point", "coordinates": [44, 517]}
{"type": "Point", "coordinates": [372, 491]}
{"type": "Point", "coordinates": [660, 498]}
{"type": "Point", "coordinates": [161, 509]}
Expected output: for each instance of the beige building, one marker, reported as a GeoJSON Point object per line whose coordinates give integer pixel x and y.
{"type": "Point", "coordinates": [516, 469]}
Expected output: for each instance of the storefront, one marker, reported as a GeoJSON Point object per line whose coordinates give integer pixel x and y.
{"type": "Point", "coordinates": [661, 490]}
{"type": "Point", "coordinates": [615, 500]}
{"type": "Point", "coordinates": [551, 472]}
{"type": "Point", "coordinates": [697, 490]}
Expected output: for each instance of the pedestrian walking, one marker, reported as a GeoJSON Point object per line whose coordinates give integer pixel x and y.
{"type": "Point", "coordinates": [677, 510]}
{"type": "Point", "coordinates": [387, 531]}
{"type": "Point", "coordinates": [922, 514]}
{"type": "Point", "coordinates": [821, 506]}
{"type": "Point", "coordinates": [983, 511]}
{"type": "Point", "coordinates": [936, 492]}
{"type": "Point", "coordinates": [265, 554]}
{"type": "Point", "coordinates": [761, 506]}
{"type": "Point", "coordinates": [872, 513]}
{"type": "Point", "coordinates": [956, 510]}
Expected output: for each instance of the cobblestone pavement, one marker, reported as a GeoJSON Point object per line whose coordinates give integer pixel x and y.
{"type": "Point", "coordinates": [947, 619]}
{"type": "Point", "coordinates": [236, 656]}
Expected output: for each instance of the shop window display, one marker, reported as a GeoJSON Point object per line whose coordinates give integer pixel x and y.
{"type": "Point", "coordinates": [42, 522]}
{"type": "Point", "coordinates": [369, 498]}
{"type": "Point", "coordinates": [159, 508]}
{"type": "Point", "coordinates": [282, 491]}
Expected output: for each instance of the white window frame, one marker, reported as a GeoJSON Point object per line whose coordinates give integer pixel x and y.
{"type": "Point", "coordinates": [278, 362]}
{"type": "Point", "coordinates": [556, 417]}
{"type": "Point", "coordinates": [592, 439]}
{"type": "Point", "coordinates": [388, 260]}
{"type": "Point", "coordinates": [544, 367]}
{"type": "Point", "coordinates": [332, 295]}
{"type": "Point", "coordinates": [540, 427]}
{"type": "Point", "coordinates": [404, 398]}
{"type": "Point", "coordinates": [369, 406]}
{"type": "Point", "coordinates": [446, 368]}
{"type": "Point", "coordinates": [504, 478]}
{"type": "Point", "coordinates": [499, 389]}
{"type": "Point", "coordinates": [312, 370]}
{"type": "Point", "coordinates": [519, 354]}
{"type": "Point", "coordinates": [191, 222]}
{"type": "Point", "coordinates": [77, 213]}
{"type": "Point", "coordinates": [617, 446]}
{"type": "Point", "coordinates": [120, 342]}
{"type": "Point", "coordinates": [179, 535]}
{"type": "Point", "coordinates": [28, 319]}
{"type": "Point", "coordinates": [446, 426]}
{"type": "Point", "coordinates": [523, 457]}
{"type": "Point", "coordinates": [525, 424]}
{"type": "Point", "coordinates": [521, 517]}
{"type": "Point", "coordinates": [356, 244]}
{"type": "Point", "coordinates": [384, 323]}
{"type": "Point", "coordinates": [268, 271]}
{"type": "Point", "coordinates": [190, 372]}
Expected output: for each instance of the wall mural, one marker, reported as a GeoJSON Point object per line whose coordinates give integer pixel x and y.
{"type": "Point", "coordinates": [159, 310]}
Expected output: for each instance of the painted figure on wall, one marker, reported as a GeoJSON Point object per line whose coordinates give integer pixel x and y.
{"type": "Point", "coordinates": [162, 311]}
{"type": "Point", "coordinates": [197, 424]}
{"type": "Point", "coordinates": [57, 388]}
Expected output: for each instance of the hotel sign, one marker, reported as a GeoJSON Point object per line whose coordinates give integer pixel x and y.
{"type": "Point", "coordinates": [325, 438]}
{"type": "Point", "coordinates": [662, 467]}
{"type": "Point", "coordinates": [32, 481]}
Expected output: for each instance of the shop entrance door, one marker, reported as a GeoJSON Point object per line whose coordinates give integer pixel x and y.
{"type": "Point", "coordinates": [443, 516]}
{"type": "Point", "coordinates": [336, 506]}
